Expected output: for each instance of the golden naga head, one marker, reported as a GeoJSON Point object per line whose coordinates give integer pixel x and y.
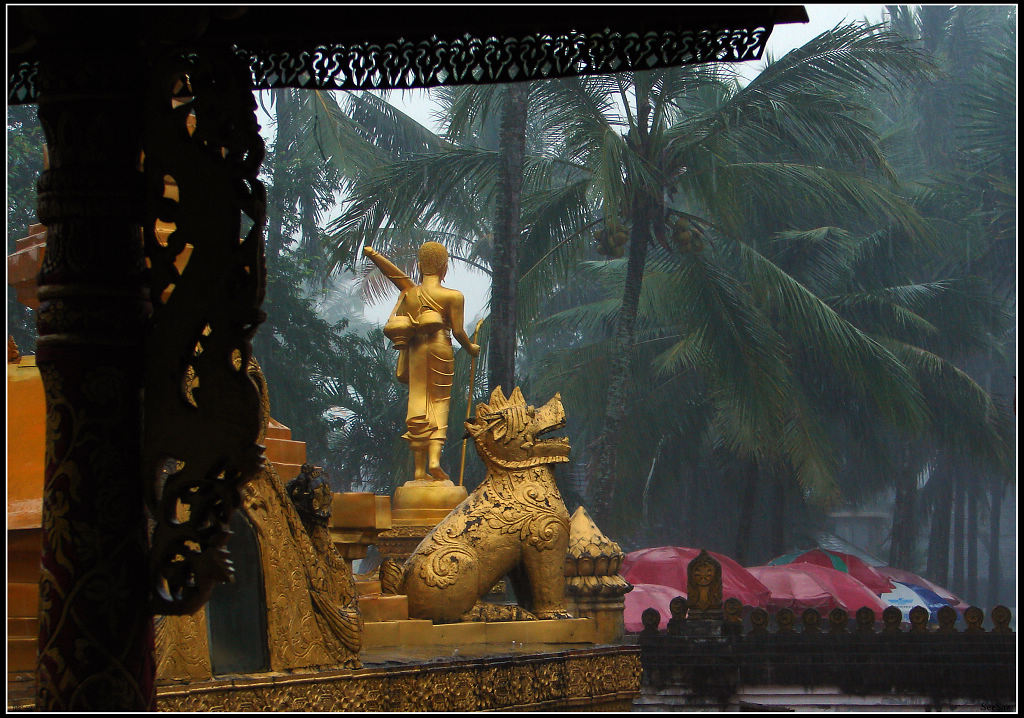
{"type": "Point", "coordinates": [507, 431]}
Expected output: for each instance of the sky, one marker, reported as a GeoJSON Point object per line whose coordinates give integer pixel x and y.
{"type": "Point", "coordinates": [416, 104]}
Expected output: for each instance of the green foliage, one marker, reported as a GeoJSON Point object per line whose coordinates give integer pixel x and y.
{"type": "Point", "coordinates": [24, 163]}
{"type": "Point", "coordinates": [818, 297]}
{"type": "Point", "coordinates": [300, 354]}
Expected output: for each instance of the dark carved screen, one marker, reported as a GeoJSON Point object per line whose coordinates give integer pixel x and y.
{"type": "Point", "coordinates": [202, 153]}
{"type": "Point", "coordinates": [479, 60]}
{"type": "Point", "coordinates": [478, 57]}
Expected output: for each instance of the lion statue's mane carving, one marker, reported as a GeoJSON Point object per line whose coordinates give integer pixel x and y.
{"type": "Point", "coordinates": [514, 523]}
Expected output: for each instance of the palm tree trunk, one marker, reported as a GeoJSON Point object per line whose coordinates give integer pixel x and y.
{"type": "Point", "coordinates": [938, 544]}
{"type": "Point", "coordinates": [746, 516]}
{"type": "Point", "coordinates": [959, 516]}
{"type": "Point", "coordinates": [904, 522]}
{"type": "Point", "coordinates": [605, 451]}
{"type": "Point", "coordinates": [972, 545]}
{"type": "Point", "coordinates": [602, 467]}
{"type": "Point", "coordinates": [501, 355]}
{"type": "Point", "coordinates": [276, 196]}
{"type": "Point", "coordinates": [994, 569]}
{"type": "Point", "coordinates": [778, 537]}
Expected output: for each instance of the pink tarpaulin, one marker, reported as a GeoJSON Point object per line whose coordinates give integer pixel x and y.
{"type": "Point", "coordinates": [840, 561]}
{"type": "Point", "coordinates": [847, 592]}
{"type": "Point", "coordinates": [666, 566]}
{"type": "Point", "coordinates": [793, 588]}
{"type": "Point", "coordinates": [647, 595]}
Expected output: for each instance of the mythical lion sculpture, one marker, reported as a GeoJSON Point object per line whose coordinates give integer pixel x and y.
{"type": "Point", "coordinates": [514, 523]}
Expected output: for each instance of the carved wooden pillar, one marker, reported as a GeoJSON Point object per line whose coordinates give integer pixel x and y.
{"type": "Point", "coordinates": [96, 628]}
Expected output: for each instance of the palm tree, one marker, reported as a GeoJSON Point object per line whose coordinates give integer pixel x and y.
{"type": "Point", "coordinates": [650, 147]}
{"type": "Point", "coordinates": [955, 140]}
{"type": "Point", "coordinates": [641, 151]}
{"type": "Point", "coordinates": [619, 148]}
{"type": "Point", "coordinates": [301, 353]}
{"type": "Point", "coordinates": [399, 205]}
{"type": "Point", "coordinates": [504, 261]}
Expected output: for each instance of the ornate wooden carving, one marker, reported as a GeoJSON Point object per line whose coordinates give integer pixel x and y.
{"type": "Point", "coordinates": [309, 592]}
{"type": "Point", "coordinates": [478, 54]}
{"type": "Point", "coordinates": [95, 631]}
{"type": "Point", "coordinates": [202, 154]}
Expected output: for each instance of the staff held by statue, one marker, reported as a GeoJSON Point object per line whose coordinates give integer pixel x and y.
{"type": "Point", "coordinates": [469, 401]}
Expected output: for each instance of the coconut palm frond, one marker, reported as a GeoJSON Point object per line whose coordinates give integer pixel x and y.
{"type": "Point", "coordinates": [386, 127]}
{"type": "Point", "coordinates": [440, 192]}
{"type": "Point", "coordinates": [844, 59]}
{"type": "Point", "coordinates": [965, 415]}
{"type": "Point", "coordinates": [816, 191]}
{"type": "Point", "coordinates": [467, 108]}
{"type": "Point", "coordinates": [820, 258]}
{"type": "Point", "coordinates": [881, 313]}
{"type": "Point", "coordinates": [807, 447]}
{"type": "Point", "coordinates": [820, 330]}
{"type": "Point", "coordinates": [746, 367]}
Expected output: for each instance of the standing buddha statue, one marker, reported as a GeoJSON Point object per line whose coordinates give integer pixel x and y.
{"type": "Point", "coordinates": [420, 327]}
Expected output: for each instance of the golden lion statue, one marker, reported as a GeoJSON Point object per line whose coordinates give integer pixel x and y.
{"type": "Point", "coordinates": [514, 523]}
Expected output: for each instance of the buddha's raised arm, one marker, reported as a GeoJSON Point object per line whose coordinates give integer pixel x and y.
{"type": "Point", "coordinates": [399, 278]}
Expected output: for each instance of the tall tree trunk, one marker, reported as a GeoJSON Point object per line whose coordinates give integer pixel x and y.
{"type": "Point", "coordinates": [779, 506]}
{"type": "Point", "coordinates": [938, 544]}
{"type": "Point", "coordinates": [904, 521]}
{"type": "Point", "coordinates": [605, 452]}
{"type": "Point", "coordinates": [746, 517]}
{"type": "Point", "coordinates": [972, 545]}
{"type": "Point", "coordinates": [959, 516]}
{"type": "Point", "coordinates": [602, 467]}
{"type": "Point", "coordinates": [994, 569]}
{"type": "Point", "coordinates": [276, 196]}
{"type": "Point", "coordinates": [501, 355]}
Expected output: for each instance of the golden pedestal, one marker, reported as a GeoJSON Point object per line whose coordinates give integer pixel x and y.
{"type": "Point", "coordinates": [417, 508]}
{"type": "Point", "coordinates": [356, 519]}
{"type": "Point", "coordinates": [432, 495]}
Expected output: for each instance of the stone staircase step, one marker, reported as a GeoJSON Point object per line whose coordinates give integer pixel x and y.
{"type": "Point", "coordinates": [21, 653]}
{"type": "Point", "coordinates": [367, 588]}
{"type": "Point", "coordinates": [384, 608]}
{"type": "Point", "coordinates": [277, 430]}
{"type": "Point", "coordinates": [22, 600]}
{"type": "Point", "coordinates": [22, 627]}
{"type": "Point", "coordinates": [285, 451]}
{"type": "Point", "coordinates": [287, 472]}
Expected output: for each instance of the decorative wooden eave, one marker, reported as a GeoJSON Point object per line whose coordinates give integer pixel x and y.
{"type": "Point", "coordinates": [381, 47]}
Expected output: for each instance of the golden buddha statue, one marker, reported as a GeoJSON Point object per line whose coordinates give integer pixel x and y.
{"type": "Point", "coordinates": [420, 327]}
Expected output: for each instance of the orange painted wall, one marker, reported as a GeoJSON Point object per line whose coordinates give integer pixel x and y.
{"type": "Point", "coordinates": [26, 444]}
